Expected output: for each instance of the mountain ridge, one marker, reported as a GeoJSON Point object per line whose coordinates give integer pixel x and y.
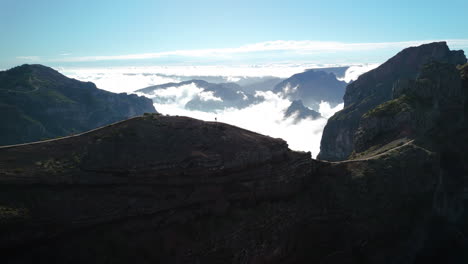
{"type": "Point", "coordinates": [374, 88]}
{"type": "Point", "coordinates": [39, 102]}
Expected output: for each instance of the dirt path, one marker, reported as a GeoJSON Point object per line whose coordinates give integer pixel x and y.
{"type": "Point", "coordinates": [374, 156]}
{"type": "Point", "coordinates": [65, 137]}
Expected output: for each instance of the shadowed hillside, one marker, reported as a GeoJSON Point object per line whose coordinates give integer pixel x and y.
{"type": "Point", "coordinates": [37, 102]}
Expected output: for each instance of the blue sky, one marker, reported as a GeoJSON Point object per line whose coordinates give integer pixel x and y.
{"type": "Point", "coordinates": [147, 32]}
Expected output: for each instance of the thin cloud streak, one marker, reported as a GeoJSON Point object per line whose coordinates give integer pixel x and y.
{"type": "Point", "coordinates": [298, 47]}
{"type": "Point", "coordinates": [29, 58]}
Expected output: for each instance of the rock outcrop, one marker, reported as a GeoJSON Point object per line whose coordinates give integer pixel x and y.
{"type": "Point", "coordinates": [374, 88]}
{"type": "Point", "coordinates": [37, 102]}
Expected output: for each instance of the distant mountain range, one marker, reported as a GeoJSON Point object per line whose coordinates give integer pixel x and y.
{"type": "Point", "coordinates": [212, 97]}
{"type": "Point", "coordinates": [37, 102]}
{"type": "Point", "coordinates": [312, 87]}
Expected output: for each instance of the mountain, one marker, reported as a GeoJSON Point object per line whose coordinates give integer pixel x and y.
{"type": "Point", "coordinates": [339, 72]}
{"type": "Point", "coordinates": [299, 111]}
{"type": "Point", "coordinates": [375, 87]}
{"type": "Point", "coordinates": [265, 84]}
{"type": "Point", "coordinates": [162, 189]}
{"type": "Point", "coordinates": [210, 98]}
{"type": "Point", "coordinates": [152, 189]}
{"type": "Point", "coordinates": [312, 87]}
{"type": "Point", "coordinates": [37, 102]}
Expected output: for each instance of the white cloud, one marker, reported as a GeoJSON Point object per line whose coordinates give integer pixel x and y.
{"type": "Point", "coordinates": [209, 96]}
{"type": "Point", "coordinates": [327, 111]}
{"type": "Point", "coordinates": [129, 79]}
{"type": "Point", "coordinates": [266, 117]}
{"type": "Point", "coordinates": [288, 89]}
{"type": "Point", "coordinates": [244, 97]}
{"type": "Point", "coordinates": [28, 58]}
{"type": "Point", "coordinates": [118, 80]}
{"type": "Point", "coordinates": [177, 97]}
{"type": "Point", "coordinates": [353, 72]}
{"type": "Point", "coordinates": [299, 47]}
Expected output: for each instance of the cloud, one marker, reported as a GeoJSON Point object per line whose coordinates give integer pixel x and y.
{"type": "Point", "coordinates": [266, 117]}
{"type": "Point", "coordinates": [28, 58]}
{"type": "Point", "coordinates": [298, 47]}
{"type": "Point", "coordinates": [353, 72]}
{"type": "Point", "coordinates": [327, 111]}
{"type": "Point", "coordinates": [209, 96]}
{"type": "Point", "coordinates": [129, 79]}
{"type": "Point", "coordinates": [118, 80]}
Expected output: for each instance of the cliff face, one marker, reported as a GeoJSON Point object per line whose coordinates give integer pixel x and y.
{"type": "Point", "coordinates": [37, 102]}
{"type": "Point", "coordinates": [374, 88]}
{"type": "Point", "coordinates": [417, 108]}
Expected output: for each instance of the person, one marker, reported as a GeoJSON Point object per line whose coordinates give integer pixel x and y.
{"type": "Point", "coordinates": [216, 119]}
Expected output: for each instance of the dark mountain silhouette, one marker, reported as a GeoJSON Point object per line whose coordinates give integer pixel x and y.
{"type": "Point", "coordinates": [300, 112]}
{"type": "Point", "coordinates": [38, 102]}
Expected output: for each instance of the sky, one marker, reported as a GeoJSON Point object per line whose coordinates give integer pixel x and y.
{"type": "Point", "coordinates": [90, 33]}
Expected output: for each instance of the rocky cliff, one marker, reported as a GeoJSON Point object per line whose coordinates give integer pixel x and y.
{"type": "Point", "coordinates": [37, 102]}
{"type": "Point", "coordinates": [374, 88]}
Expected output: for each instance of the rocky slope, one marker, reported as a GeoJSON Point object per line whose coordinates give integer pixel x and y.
{"type": "Point", "coordinates": [374, 88]}
{"type": "Point", "coordinates": [312, 87]}
{"type": "Point", "coordinates": [37, 102]}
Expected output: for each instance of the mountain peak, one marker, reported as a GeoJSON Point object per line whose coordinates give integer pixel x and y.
{"type": "Point", "coordinates": [375, 87]}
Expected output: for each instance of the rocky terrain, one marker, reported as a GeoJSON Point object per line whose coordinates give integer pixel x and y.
{"type": "Point", "coordinates": [161, 189]}
{"type": "Point", "coordinates": [37, 102]}
{"type": "Point", "coordinates": [376, 87]}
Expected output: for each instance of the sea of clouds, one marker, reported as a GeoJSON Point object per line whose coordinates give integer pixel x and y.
{"type": "Point", "coordinates": [266, 117]}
